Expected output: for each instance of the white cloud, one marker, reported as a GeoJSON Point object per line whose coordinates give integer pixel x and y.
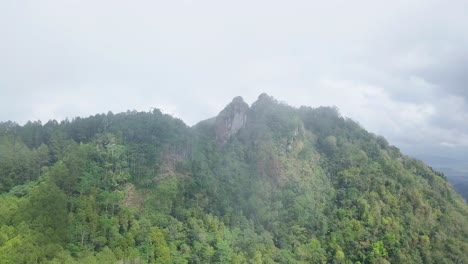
{"type": "Point", "coordinates": [385, 65]}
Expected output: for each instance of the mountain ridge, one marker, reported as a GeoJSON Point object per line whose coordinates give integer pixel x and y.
{"type": "Point", "coordinates": [265, 183]}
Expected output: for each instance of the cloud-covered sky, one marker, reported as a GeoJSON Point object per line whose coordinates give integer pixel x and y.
{"type": "Point", "coordinates": [399, 68]}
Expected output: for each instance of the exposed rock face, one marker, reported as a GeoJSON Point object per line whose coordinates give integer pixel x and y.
{"type": "Point", "coordinates": [231, 120]}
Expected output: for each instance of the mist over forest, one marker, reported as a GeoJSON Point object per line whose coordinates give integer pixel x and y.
{"type": "Point", "coordinates": [260, 183]}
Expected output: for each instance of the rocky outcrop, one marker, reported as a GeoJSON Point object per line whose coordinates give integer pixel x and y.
{"type": "Point", "coordinates": [231, 120]}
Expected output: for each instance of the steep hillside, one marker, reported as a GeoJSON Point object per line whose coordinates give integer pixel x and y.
{"type": "Point", "coordinates": [266, 183]}
{"type": "Point", "coordinates": [458, 179]}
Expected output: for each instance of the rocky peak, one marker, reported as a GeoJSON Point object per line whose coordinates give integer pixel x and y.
{"type": "Point", "coordinates": [231, 120]}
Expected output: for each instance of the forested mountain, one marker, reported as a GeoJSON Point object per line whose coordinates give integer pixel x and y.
{"type": "Point", "coordinates": [452, 165]}
{"type": "Point", "coordinates": [460, 183]}
{"type": "Point", "coordinates": [266, 183]}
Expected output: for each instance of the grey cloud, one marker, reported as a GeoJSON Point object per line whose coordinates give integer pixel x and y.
{"type": "Point", "coordinates": [399, 67]}
{"type": "Point", "coordinates": [452, 75]}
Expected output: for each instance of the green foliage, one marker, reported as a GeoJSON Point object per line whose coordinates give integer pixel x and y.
{"type": "Point", "coordinates": [160, 250]}
{"type": "Point", "coordinates": [292, 186]}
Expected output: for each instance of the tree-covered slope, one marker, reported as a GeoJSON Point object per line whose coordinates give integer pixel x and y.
{"type": "Point", "coordinates": [266, 183]}
{"type": "Point", "coordinates": [460, 183]}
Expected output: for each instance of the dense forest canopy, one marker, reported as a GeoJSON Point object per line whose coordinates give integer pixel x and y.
{"type": "Point", "coordinates": [266, 183]}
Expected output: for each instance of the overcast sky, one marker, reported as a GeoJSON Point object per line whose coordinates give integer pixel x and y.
{"type": "Point", "coordinates": [399, 68]}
